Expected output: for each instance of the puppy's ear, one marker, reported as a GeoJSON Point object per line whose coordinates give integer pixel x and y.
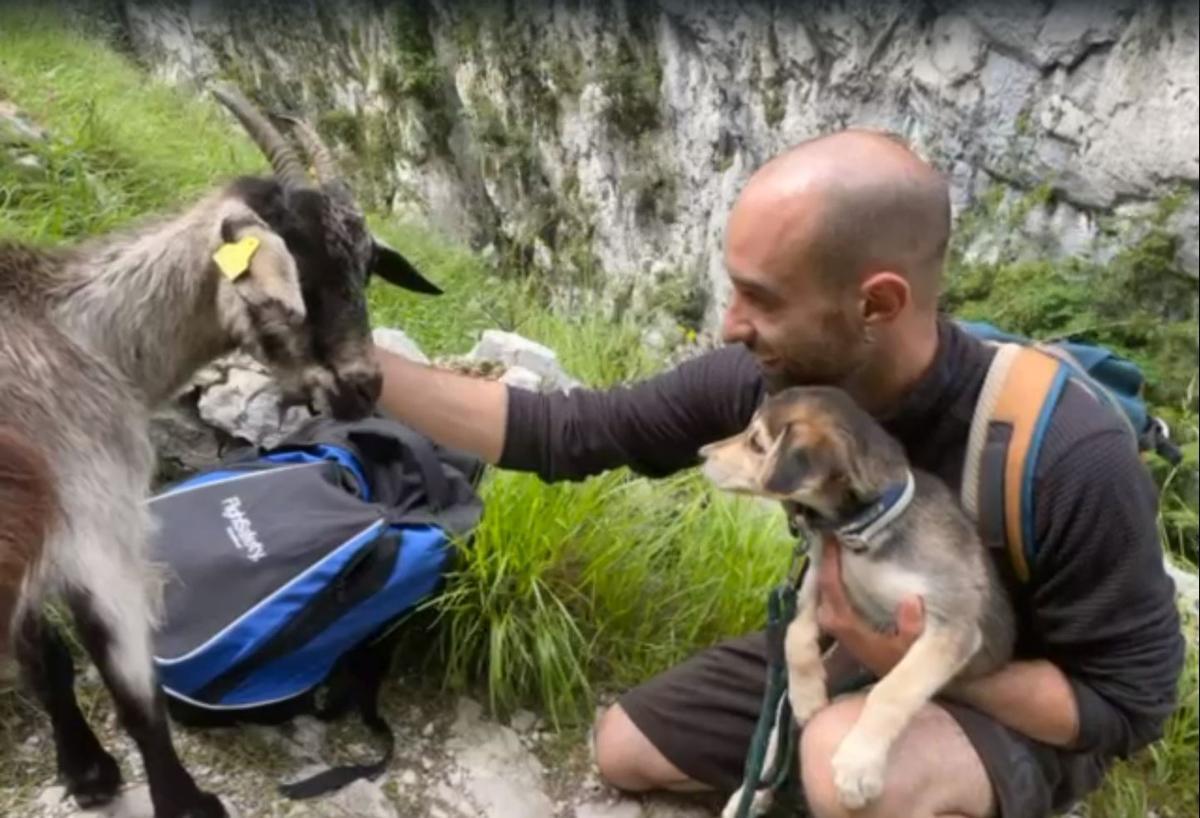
{"type": "Point", "coordinates": [866, 452]}
{"type": "Point", "coordinates": [790, 466]}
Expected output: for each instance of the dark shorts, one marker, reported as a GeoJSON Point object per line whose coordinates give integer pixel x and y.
{"type": "Point", "coordinates": [701, 716]}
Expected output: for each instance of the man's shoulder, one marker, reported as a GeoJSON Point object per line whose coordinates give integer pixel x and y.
{"type": "Point", "coordinates": [1082, 422]}
{"type": "Point", "coordinates": [1090, 474]}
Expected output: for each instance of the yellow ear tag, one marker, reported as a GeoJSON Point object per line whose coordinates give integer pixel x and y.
{"type": "Point", "coordinates": [234, 259]}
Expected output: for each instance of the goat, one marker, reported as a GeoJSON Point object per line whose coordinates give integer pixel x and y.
{"type": "Point", "coordinates": [92, 337]}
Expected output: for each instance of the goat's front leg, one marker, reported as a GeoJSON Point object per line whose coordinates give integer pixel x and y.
{"type": "Point", "coordinates": [116, 634]}
{"type": "Point", "coordinates": [860, 763]}
{"type": "Point", "coordinates": [89, 773]}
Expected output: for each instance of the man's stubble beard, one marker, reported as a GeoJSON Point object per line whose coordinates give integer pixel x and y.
{"type": "Point", "coordinates": [837, 363]}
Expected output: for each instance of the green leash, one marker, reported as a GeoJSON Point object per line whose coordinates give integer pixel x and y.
{"type": "Point", "coordinates": [775, 713]}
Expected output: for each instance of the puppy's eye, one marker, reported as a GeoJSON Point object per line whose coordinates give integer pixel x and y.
{"type": "Point", "coordinates": [755, 445]}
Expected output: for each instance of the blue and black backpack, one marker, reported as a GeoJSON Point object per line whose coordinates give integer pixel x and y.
{"type": "Point", "coordinates": [289, 569]}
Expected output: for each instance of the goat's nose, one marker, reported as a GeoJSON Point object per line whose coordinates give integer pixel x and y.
{"type": "Point", "coordinates": [356, 393]}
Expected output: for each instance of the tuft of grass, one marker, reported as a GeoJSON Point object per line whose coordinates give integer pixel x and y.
{"type": "Point", "coordinates": [569, 588]}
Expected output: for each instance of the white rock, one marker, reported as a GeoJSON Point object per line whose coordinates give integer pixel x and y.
{"type": "Point", "coordinates": [397, 341]}
{"type": "Point", "coordinates": [512, 349]}
{"type": "Point", "coordinates": [51, 797]}
{"type": "Point", "coordinates": [523, 721]}
{"type": "Point", "coordinates": [523, 356]}
{"type": "Point", "coordinates": [361, 799]}
{"type": "Point", "coordinates": [602, 809]}
{"type": "Point", "coordinates": [239, 397]}
{"type": "Point", "coordinates": [1187, 584]}
{"type": "Point", "coordinates": [501, 777]}
{"type": "Point", "coordinates": [130, 803]}
{"type": "Point", "coordinates": [522, 378]}
{"type": "Point", "coordinates": [307, 739]}
{"type": "Point", "coordinates": [667, 807]}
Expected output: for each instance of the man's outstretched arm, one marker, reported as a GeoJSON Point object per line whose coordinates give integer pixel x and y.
{"type": "Point", "coordinates": [457, 411]}
{"type": "Point", "coordinates": [655, 426]}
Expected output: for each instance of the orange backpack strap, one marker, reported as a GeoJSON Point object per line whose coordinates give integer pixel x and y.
{"type": "Point", "coordinates": [1014, 408]}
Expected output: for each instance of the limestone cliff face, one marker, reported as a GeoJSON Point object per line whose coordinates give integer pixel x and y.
{"type": "Point", "coordinates": [606, 141]}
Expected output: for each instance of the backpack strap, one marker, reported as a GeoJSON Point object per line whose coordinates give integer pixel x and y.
{"type": "Point", "coordinates": [357, 684]}
{"type": "Point", "coordinates": [1014, 408]}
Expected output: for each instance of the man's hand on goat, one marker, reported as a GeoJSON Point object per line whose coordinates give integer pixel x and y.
{"type": "Point", "coordinates": [877, 652]}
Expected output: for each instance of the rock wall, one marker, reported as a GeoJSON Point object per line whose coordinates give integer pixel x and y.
{"type": "Point", "coordinates": [606, 141]}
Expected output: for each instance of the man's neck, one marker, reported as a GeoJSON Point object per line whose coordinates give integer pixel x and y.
{"type": "Point", "coordinates": [906, 356]}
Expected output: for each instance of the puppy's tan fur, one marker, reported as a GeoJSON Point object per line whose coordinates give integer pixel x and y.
{"type": "Point", "coordinates": [819, 453]}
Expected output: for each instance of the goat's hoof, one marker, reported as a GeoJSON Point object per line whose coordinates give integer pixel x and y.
{"type": "Point", "coordinates": [96, 783]}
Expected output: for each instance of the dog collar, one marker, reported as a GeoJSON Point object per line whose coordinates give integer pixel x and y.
{"type": "Point", "coordinates": [880, 514]}
{"type": "Point", "coordinates": [858, 531]}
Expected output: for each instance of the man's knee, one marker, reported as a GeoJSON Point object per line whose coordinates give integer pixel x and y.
{"type": "Point", "coordinates": [818, 742]}
{"type": "Point", "coordinates": [628, 761]}
{"type": "Point", "coordinates": [916, 782]}
{"type": "Point", "coordinates": [616, 746]}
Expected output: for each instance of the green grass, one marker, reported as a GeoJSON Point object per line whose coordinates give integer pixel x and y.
{"type": "Point", "coordinates": [569, 587]}
{"type": "Point", "coordinates": [120, 146]}
{"type": "Point", "coordinates": [573, 589]}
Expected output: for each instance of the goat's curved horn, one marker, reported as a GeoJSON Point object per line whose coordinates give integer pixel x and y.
{"type": "Point", "coordinates": [322, 159]}
{"type": "Point", "coordinates": [284, 162]}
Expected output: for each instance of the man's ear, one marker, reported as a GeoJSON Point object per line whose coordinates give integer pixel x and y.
{"type": "Point", "coordinates": [396, 269]}
{"type": "Point", "coordinates": [883, 297]}
{"type": "Point", "coordinates": [789, 466]}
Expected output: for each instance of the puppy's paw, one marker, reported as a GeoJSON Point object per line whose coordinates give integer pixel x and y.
{"type": "Point", "coordinates": [806, 694]}
{"type": "Point", "coordinates": [859, 767]}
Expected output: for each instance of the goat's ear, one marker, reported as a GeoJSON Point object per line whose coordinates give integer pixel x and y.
{"type": "Point", "coordinates": [270, 276]}
{"type": "Point", "coordinates": [396, 269]}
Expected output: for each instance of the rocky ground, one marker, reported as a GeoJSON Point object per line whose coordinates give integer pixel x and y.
{"type": "Point", "coordinates": [451, 761]}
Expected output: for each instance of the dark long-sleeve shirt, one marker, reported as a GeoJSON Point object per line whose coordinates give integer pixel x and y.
{"type": "Point", "coordinates": [1099, 605]}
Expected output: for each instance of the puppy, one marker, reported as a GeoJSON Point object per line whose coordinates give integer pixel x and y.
{"type": "Point", "coordinates": [901, 532]}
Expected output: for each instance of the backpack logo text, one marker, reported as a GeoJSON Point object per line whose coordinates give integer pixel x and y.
{"type": "Point", "coordinates": [240, 531]}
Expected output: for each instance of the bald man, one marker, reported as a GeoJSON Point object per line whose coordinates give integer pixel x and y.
{"type": "Point", "coordinates": [835, 252]}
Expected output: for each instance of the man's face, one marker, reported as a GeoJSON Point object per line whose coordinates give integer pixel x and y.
{"type": "Point", "coordinates": [803, 329]}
